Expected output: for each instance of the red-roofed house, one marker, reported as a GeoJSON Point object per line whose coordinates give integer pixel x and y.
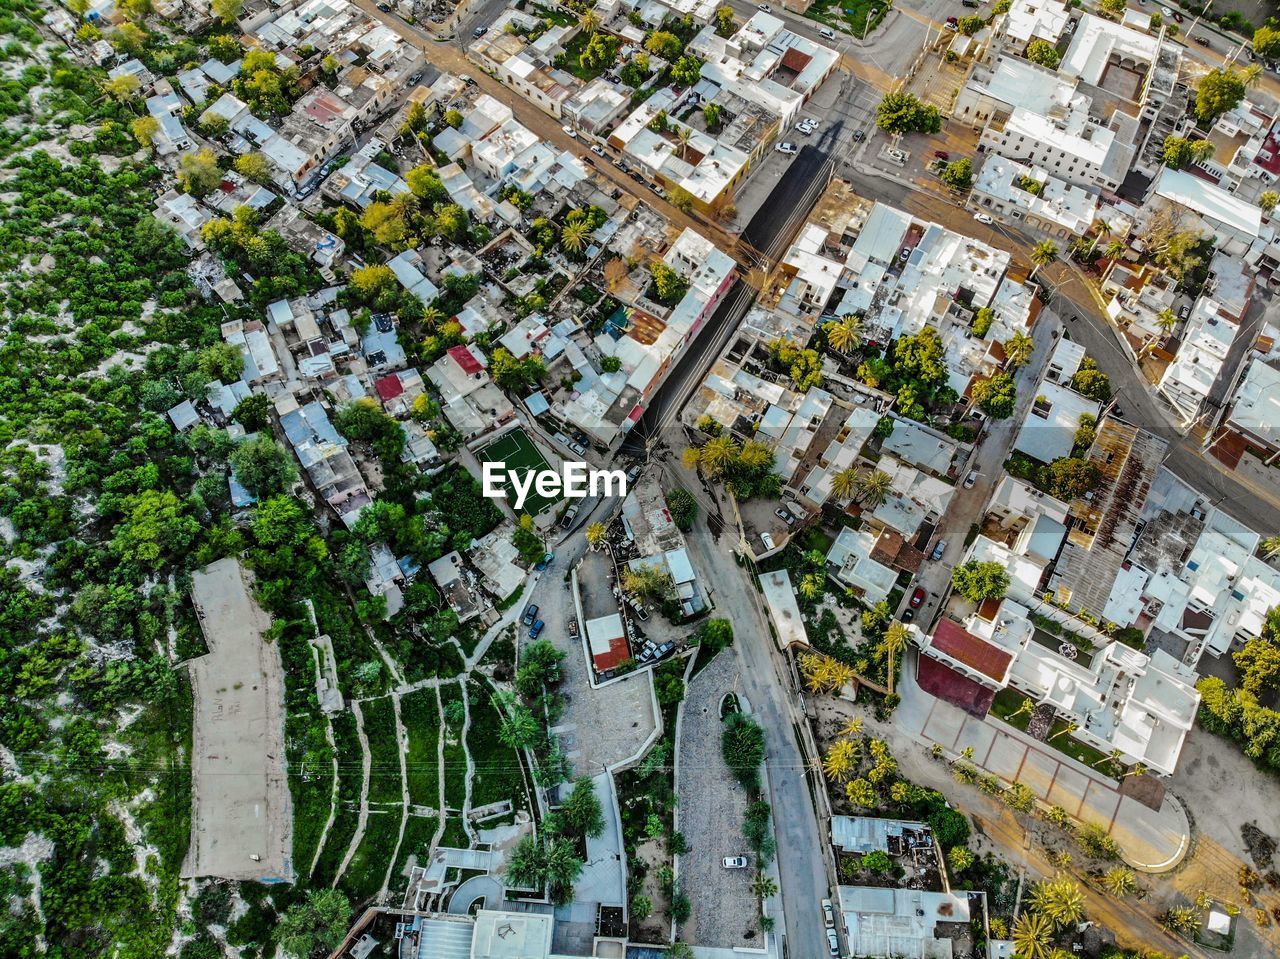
{"type": "Point", "coordinates": [967, 654]}
{"type": "Point", "coordinates": [388, 387]}
{"type": "Point", "coordinates": [466, 358]}
{"type": "Point", "coordinates": [608, 639]}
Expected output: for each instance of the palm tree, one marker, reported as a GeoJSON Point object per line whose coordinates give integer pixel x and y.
{"type": "Point", "coordinates": [845, 483]}
{"type": "Point", "coordinates": [764, 886]}
{"type": "Point", "coordinates": [1115, 249]}
{"type": "Point", "coordinates": [1271, 547]}
{"type": "Point", "coordinates": [589, 22]}
{"type": "Point", "coordinates": [1268, 201]}
{"type": "Point", "coordinates": [1045, 252]}
{"type": "Point", "coordinates": [841, 760]}
{"type": "Point", "coordinates": [717, 455]}
{"type": "Point", "coordinates": [683, 136]}
{"type": "Point", "coordinates": [895, 638]}
{"type": "Point", "coordinates": [1181, 919]}
{"type": "Point", "coordinates": [1026, 707]}
{"type": "Point", "coordinates": [595, 535]}
{"type": "Point", "coordinates": [574, 236]}
{"type": "Point", "coordinates": [852, 727]}
{"type": "Point", "coordinates": [810, 586]}
{"type": "Point", "coordinates": [1166, 320]}
{"type": "Point", "coordinates": [873, 487]}
{"type": "Point", "coordinates": [1031, 936]}
{"type": "Point", "coordinates": [1018, 349]}
{"type": "Point", "coordinates": [1137, 770]}
{"type": "Point", "coordinates": [845, 333]}
{"type": "Point", "coordinates": [1251, 75]}
{"type": "Point", "coordinates": [1119, 881]}
{"type": "Point", "coordinates": [1066, 730]}
{"type": "Point", "coordinates": [431, 317]}
{"type": "Point", "coordinates": [1058, 900]}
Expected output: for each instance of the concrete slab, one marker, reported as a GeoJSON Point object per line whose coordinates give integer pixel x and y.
{"type": "Point", "coordinates": [976, 734]}
{"type": "Point", "coordinates": [1099, 804]}
{"type": "Point", "coordinates": [942, 729]}
{"type": "Point", "coordinates": [1068, 789]}
{"type": "Point", "coordinates": [1005, 757]}
{"type": "Point", "coordinates": [1038, 771]}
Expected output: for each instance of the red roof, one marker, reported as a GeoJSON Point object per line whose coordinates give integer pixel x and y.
{"type": "Point", "coordinates": [954, 640]}
{"type": "Point", "coordinates": [618, 652]}
{"type": "Point", "coordinates": [463, 356]}
{"type": "Point", "coordinates": [1269, 156]}
{"type": "Point", "coordinates": [940, 680]}
{"type": "Point", "coordinates": [389, 387]}
{"type": "Point", "coordinates": [795, 59]}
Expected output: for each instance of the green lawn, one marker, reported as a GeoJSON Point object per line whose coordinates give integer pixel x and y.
{"type": "Point", "coordinates": [421, 718]}
{"type": "Point", "coordinates": [363, 877]}
{"type": "Point", "coordinates": [1007, 703]}
{"type": "Point", "coordinates": [455, 757]}
{"type": "Point", "coordinates": [384, 770]}
{"type": "Point", "coordinates": [497, 775]}
{"type": "Point", "coordinates": [571, 59]}
{"type": "Point", "coordinates": [518, 454]}
{"type": "Point", "coordinates": [851, 16]}
{"type": "Point", "coordinates": [418, 832]}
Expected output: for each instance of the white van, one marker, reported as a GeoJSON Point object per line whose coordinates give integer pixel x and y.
{"type": "Point", "coordinates": [827, 33]}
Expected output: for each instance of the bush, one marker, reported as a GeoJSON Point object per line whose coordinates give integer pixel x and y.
{"type": "Point", "coordinates": [742, 743]}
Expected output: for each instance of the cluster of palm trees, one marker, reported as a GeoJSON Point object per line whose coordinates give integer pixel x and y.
{"type": "Point", "coordinates": [866, 487]}
{"type": "Point", "coordinates": [825, 674]}
{"type": "Point", "coordinates": [721, 454]}
{"type": "Point", "coordinates": [1054, 904]}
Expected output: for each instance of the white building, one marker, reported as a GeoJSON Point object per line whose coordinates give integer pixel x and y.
{"type": "Point", "coordinates": [1029, 196]}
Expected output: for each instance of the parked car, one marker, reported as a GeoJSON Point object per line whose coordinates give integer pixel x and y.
{"type": "Point", "coordinates": [942, 154]}
{"type": "Point", "coordinates": [578, 449]}
{"type": "Point", "coordinates": [1179, 18]}
{"type": "Point", "coordinates": [1184, 312]}
{"type": "Point", "coordinates": [530, 614]}
{"type": "Point", "coordinates": [833, 942]}
{"type": "Point", "coordinates": [905, 254]}
{"type": "Point", "coordinates": [543, 563]}
{"type": "Point", "coordinates": [479, 32]}
{"type": "Point", "coordinates": [971, 479]}
{"type": "Point", "coordinates": [973, 4]}
{"type": "Point", "coordinates": [569, 131]}
{"type": "Point", "coordinates": [938, 550]}
{"type": "Point", "coordinates": [952, 24]}
{"type": "Point", "coordinates": [984, 218]}
{"type": "Point", "coordinates": [665, 650]}
{"type": "Point", "coordinates": [858, 136]}
{"type": "Point", "coordinates": [633, 474]}
{"type": "Point", "coordinates": [467, 79]}
{"type": "Point", "coordinates": [828, 914]}
{"type": "Point", "coordinates": [785, 516]}
{"type": "Point", "coordinates": [767, 540]}
{"type": "Point", "coordinates": [787, 147]}
{"type": "Point", "coordinates": [765, 7]}
{"type": "Point", "coordinates": [1166, 13]}
{"type": "Point", "coordinates": [804, 128]}
{"type": "Point", "coordinates": [827, 33]}
{"type": "Point", "coordinates": [735, 862]}
{"type": "Point", "coordinates": [917, 598]}
{"type": "Point", "coordinates": [896, 155]}
{"type": "Point", "coordinates": [384, 7]}
{"type": "Point", "coordinates": [597, 149]}
{"type": "Point", "coordinates": [569, 514]}
{"type": "Point", "coordinates": [536, 629]}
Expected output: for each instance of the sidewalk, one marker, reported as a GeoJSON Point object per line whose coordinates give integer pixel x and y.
{"type": "Point", "coordinates": [1152, 841]}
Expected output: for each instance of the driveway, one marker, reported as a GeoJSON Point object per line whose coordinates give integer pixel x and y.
{"type": "Point", "coordinates": [711, 809]}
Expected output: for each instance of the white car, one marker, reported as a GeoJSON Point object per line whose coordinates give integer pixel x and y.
{"type": "Point", "coordinates": [827, 33]}
{"type": "Point", "coordinates": [735, 862]}
{"type": "Point", "coordinates": [804, 128]}
{"type": "Point", "coordinates": [971, 479]}
{"type": "Point", "coordinates": [828, 914]}
{"type": "Point", "coordinates": [897, 155]}
{"type": "Point", "coordinates": [1166, 13]}
{"type": "Point", "coordinates": [570, 131]}
{"type": "Point", "coordinates": [765, 7]}
{"type": "Point", "coordinates": [984, 218]}
{"type": "Point", "coordinates": [833, 942]}
{"type": "Point", "coordinates": [597, 149]}
{"type": "Point", "coordinates": [787, 147]}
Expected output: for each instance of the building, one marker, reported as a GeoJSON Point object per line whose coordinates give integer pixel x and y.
{"type": "Point", "coordinates": [850, 562]}
{"type": "Point", "coordinates": [607, 639]}
{"type": "Point", "coordinates": [1235, 224]}
{"type": "Point", "coordinates": [1252, 421]}
{"type": "Point", "coordinates": [911, 923]}
{"type": "Point", "coordinates": [1117, 697]}
{"type": "Point", "coordinates": [1205, 342]}
{"type": "Point", "coordinates": [1029, 196]}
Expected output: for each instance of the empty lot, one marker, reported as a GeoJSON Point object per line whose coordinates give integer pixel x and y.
{"type": "Point", "coordinates": [240, 807]}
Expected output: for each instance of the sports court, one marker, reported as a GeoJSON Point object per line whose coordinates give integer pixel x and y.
{"type": "Point", "coordinates": [517, 452]}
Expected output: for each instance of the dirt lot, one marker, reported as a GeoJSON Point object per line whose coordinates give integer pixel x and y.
{"type": "Point", "coordinates": [240, 807]}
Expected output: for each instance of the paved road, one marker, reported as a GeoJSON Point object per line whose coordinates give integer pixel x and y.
{"type": "Point", "coordinates": [802, 848]}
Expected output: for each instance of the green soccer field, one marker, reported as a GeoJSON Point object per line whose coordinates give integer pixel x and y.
{"type": "Point", "coordinates": [518, 454]}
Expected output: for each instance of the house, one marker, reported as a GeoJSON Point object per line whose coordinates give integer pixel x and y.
{"type": "Point", "coordinates": [1205, 342]}
{"type": "Point", "coordinates": [451, 575]}
{"type": "Point", "coordinates": [607, 638]}
{"type": "Point", "coordinates": [1048, 432]}
{"type": "Point", "coordinates": [1252, 421]}
{"type": "Point", "coordinates": [1234, 223]}
{"type": "Point", "coordinates": [849, 562]}
{"type": "Point", "coordinates": [471, 402]}
{"type": "Point", "coordinates": [1029, 197]}
{"type": "Point", "coordinates": [916, 923]}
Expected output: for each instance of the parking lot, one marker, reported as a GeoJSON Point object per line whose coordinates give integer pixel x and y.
{"type": "Point", "coordinates": [710, 810]}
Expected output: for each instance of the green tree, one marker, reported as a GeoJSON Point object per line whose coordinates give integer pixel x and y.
{"type": "Point", "coordinates": [582, 811]}
{"type": "Point", "coordinates": [519, 376]}
{"type": "Point", "coordinates": [958, 174]}
{"type": "Point", "coordinates": [1268, 200]}
{"type": "Point", "coordinates": [683, 508]}
{"type": "Point", "coordinates": [122, 88]}
{"type": "Point", "coordinates": [228, 11]}
{"type": "Point", "coordinates": [263, 466]}
{"type": "Point", "coordinates": [1044, 253]}
{"type": "Point", "coordinates": [1091, 382]}
{"type": "Point", "coordinates": [901, 112]}
{"type": "Point", "coordinates": [686, 71]}
{"type": "Point", "coordinates": [997, 397]}
{"type": "Point", "coordinates": [1044, 53]}
{"type": "Point", "coordinates": [670, 285]}
{"type": "Point", "coordinates": [254, 166]}
{"type": "Point", "coordinates": [1018, 350]}
{"type": "Point", "coordinates": [1069, 477]}
{"type": "Point", "coordinates": [144, 130]}
{"type": "Point", "coordinates": [976, 580]}
{"type": "Point", "coordinates": [1033, 936]}
{"type": "Point", "coordinates": [1259, 664]}
{"type": "Point", "coordinates": [844, 333]}
{"type": "Point", "coordinates": [1179, 152]}
{"type": "Point", "coordinates": [742, 743]}
{"type": "Point", "coordinates": [1218, 92]}
{"type": "Point", "coordinates": [1112, 9]}
{"type": "Point", "coordinates": [1266, 41]}
{"type": "Point", "coordinates": [316, 925]}
{"type": "Point", "coordinates": [1059, 900]}
{"type": "Point", "coordinates": [724, 21]}
{"type": "Point", "coordinates": [198, 172]}
{"type": "Point", "coordinates": [156, 525]}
